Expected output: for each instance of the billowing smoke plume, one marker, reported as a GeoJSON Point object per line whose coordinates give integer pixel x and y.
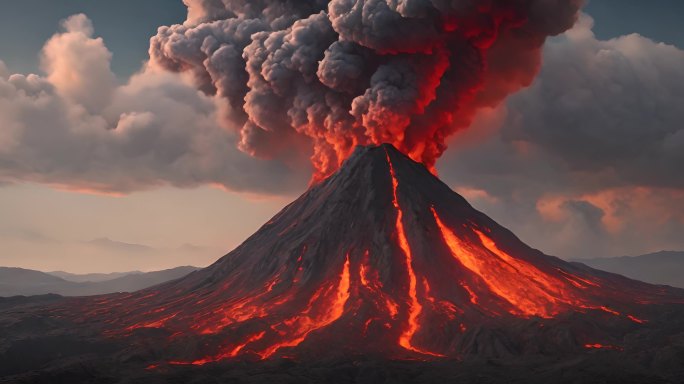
{"type": "Point", "coordinates": [334, 74]}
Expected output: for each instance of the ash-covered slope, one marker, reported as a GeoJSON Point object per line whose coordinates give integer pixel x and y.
{"type": "Point", "coordinates": [380, 259]}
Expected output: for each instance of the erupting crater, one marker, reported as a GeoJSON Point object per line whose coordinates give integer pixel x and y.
{"type": "Point", "coordinates": [381, 259]}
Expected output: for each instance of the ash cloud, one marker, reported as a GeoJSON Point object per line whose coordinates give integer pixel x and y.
{"type": "Point", "coordinates": [322, 76]}
{"type": "Point", "coordinates": [622, 96]}
{"type": "Point", "coordinates": [76, 128]}
{"type": "Point", "coordinates": [587, 160]}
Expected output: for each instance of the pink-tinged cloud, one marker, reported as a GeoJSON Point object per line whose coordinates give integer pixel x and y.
{"type": "Point", "coordinates": [587, 160]}
{"type": "Point", "coordinates": [76, 128]}
{"type": "Point", "coordinates": [77, 65]}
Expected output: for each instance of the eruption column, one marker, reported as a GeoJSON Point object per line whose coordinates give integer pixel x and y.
{"type": "Point", "coordinates": [316, 76]}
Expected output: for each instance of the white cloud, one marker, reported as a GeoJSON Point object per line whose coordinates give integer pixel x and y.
{"type": "Point", "coordinates": [78, 65]}
{"type": "Point", "coordinates": [77, 129]}
{"type": "Point", "coordinates": [611, 106]}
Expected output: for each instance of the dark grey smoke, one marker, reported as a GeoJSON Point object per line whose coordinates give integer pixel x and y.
{"type": "Point", "coordinates": [303, 76]}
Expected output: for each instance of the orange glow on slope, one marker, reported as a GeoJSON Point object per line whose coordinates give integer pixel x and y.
{"type": "Point", "coordinates": [602, 346]}
{"type": "Point", "coordinates": [414, 305]}
{"type": "Point", "coordinates": [447, 308]}
{"type": "Point", "coordinates": [608, 310]}
{"type": "Point", "coordinates": [369, 279]}
{"type": "Point", "coordinates": [363, 274]}
{"type": "Point", "coordinates": [501, 276]}
{"type": "Point", "coordinates": [307, 323]}
{"type": "Point", "coordinates": [236, 312]}
{"type": "Point", "coordinates": [636, 319]}
{"type": "Point", "coordinates": [530, 290]}
{"type": "Point", "coordinates": [614, 313]}
{"type": "Point", "coordinates": [471, 294]}
{"type": "Point", "coordinates": [576, 280]}
{"type": "Point", "coordinates": [428, 295]}
{"type": "Point", "coordinates": [154, 324]}
{"type": "Point", "coordinates": [223, 355]}
{"type": "Point", "coordinates": [559, 291]}
{"type": "Point", "coordinates": [224, 314]}
{"type": "Point", "coordinates": [392, 308]}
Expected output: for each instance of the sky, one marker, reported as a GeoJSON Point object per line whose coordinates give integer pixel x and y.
{"type": "Point", "coordinates": [583, 163]}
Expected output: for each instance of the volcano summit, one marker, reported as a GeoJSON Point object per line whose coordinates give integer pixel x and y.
{"type": "Point", "coordinates": [379, 260]}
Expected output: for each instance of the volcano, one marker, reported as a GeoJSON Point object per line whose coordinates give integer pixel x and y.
{"type": "Point", "coordinates": [380, 259]}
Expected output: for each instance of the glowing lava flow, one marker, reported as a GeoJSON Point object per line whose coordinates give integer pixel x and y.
{"type": "Point", "coordinates": [223, 355]}
{"type": "Point", "coordinates": [501, 275]}
{"type": "Point", "coordinates": [471, 294]}
{"type": "Point", "coordinates": [370, 280]}
{"type": "Point", "coordinates": [236, 312]}
{"type": "Point", "coordinates": [602, 346]}
{"type": "Point", "coordinates": [415, 308]}
{"type": "Point", "coordinates": [556, 288]}
{"type": "Point", "coordinates": [302, 326]}
{"type": "Point", "coordinates": [527, 288]}
{"type": "Point", "coordinates": [153, 324]}
{"type": "Point", "coordinates": [298, 327]}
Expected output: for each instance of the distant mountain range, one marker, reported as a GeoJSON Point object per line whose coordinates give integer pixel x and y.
{"type": "Point", "coordinates": [665, 267]}
{"type": "Point", "coordinates": [25, 282]}
{"type": "Point", "coordinates": [92, 277]}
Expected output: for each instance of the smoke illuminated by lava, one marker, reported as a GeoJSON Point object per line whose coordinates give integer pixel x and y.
{"type": "Point", "coordinates": [333, 74]}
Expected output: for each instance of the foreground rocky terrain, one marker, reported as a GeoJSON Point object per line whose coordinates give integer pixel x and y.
{"type": "Point", "coordinates": [61, 353]}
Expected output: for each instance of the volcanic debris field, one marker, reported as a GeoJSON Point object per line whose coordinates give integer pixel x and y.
{"type": "Point", "coordinates": [378, 274]}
